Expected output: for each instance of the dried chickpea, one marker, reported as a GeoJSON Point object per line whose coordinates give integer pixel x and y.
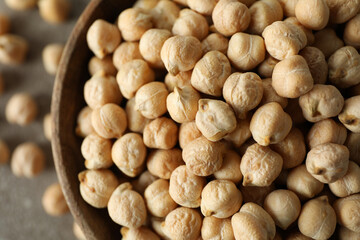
{"type": "Point", "coordinates": [296, 235]}
{"type": "Point", "coordinates": [328, 162]}
{"type": "Point", "coordinates": [230, 169]}
{"type": "Point", "coordinates": [53, 201]}
{"type": "Point", "coordinates": [146, 5]}
{"type": "Point", "coordinates": [161, 163]}
{"type": "Point", "coordinates": [182, 2]}
{"type": "Point", "coordinates": [182, 104]}
{"type": "Point", "coordinates": [133, 23]}
{"type": "Point", "coordinates": [260, 166]}
{"type": "Point", "coordinates": [141, 233]}
{"type": "Point", "coordinates": [350, 114]}
{"type": "Point", "coordinates": [187, 133]}
{"type": "Point", "coordinates": [203, 7]}
{"type": "Point", "coordinates": [347, 211]}
{"type": "Point", "coordinates": [150, 99]}
{"type": "Point", "coordinates": [181, 53]}
{"type": "Point", "coordinates": [288, 7]}
{"type": "Point", "coordinates": [230, 16]}
{"type": "Point", "coordinates": [96, 152]}
{"type": "Point", "coordinates": [316, 63]}
{"type": "Point", "coordinates": [270, 95]}
{"type": "Point", "coordinates": [263, 13]}
{"type": "Point", "coordinates": [308, 32]}
{"type": "Point", "coordinates": [317, 218]}
{"type": "Point", "coordinates": [220, 198]}
{"type": "Point", "coordinates": [143, 181]}
{"type": "Point", "coordinates": [256, 194]}
{"type": "Point", "coordinates": [182, 223]}
{"type": "Point", "coordinates": [191, 23]}
{"type": "Point", "coordinates": [292, 78]}
{"type": "Point", "coordinates": [342, 10]}
{"type": "Point", "coordinates": [349, 184]}
{"type": "Point", "coordinates": [4, 24]}
{"type": "Point", "coordinates": [13, 49]}
{"type": "Point", "coordinates": [180, 80]}
{"type": "Point", "coordinates": [326, 131]}
{"type": "Point", "coordinates": [353, 144]}
{"type": "Point", "coordinates": [161, 133]}
{"type": "Point", "coordinates": [127, 207]}
{"type": "Point", "coordinates": [101, 89]}
{"type": "Point", "coordinates": [157, 198]}
{"type": "Point", "coordinates": [266, 68]}
{"type": "Point", "coordinates": [4, 152]}
{"type": "Point", "coordinates": [96, 64]}
{"type": "Point", "coordinates": [164, 14]}
{"type": "Point", "coordinates": [47, 126]}
{"type": "Point", "coordinates": [109, 121]}
{"type": "Point", "coordinates": [270, 124]}
{"type": "Point", "coordinates": [253, 222]}
{"type": "Point", "coordinates": [215, 119]}
{"type": "Point", "coordinates": [312, 14]}
{"type": "Point", "coordinates": [322, 102]}
{"type": "Point", "coordinates": [54, 11]}
{"type": "Point", "coordinates": [78, 232]}
{"type": "Point", "coordinates": [126, 52]}
{"type": "Point", "coordinates": [216, 228]}
{"type": "Point", "coordinates": [21, 109]}
{"type": "Point", "coordinates": [241, 133]}
{"type": "Point", "coordinates": [285, 34]}
{"type": "Point", "coordinates": [351, 32]}
{"type": "Point", "coordinates": [128, 154]}
{"type": "Point", "coordinates": [51, 56]}
{"type": "Point", "coordinates": [215, 42]}
{"type": "Point", "coordinates": [346, 234]}
{"type": "Point", "coordinates": [84, 126]}
{"type": "Point", "coordinates": [158, 228]}
{"type": "Point", "coordinates": [2, 84]}
{"type": "Point", "coordinates": [136, 121]}
{"type": "Point", "coordinates": [327, 41]}
{"type": "Point", "coordinates": [150, 46]}
{"type": "Point", "coordinates": [21, 5]}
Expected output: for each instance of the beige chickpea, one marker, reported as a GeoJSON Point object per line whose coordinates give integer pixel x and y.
{"type": "Point", "coordinates": [241, 133]}
{"type": "Point", "coordinates": [84, 126]}
{"type": "Point", "coordinates": [21, 109]}
{"type": "Point", "coordinates": [220, 198]}
{"type": "Point", "coordinates": [54, 11]}
{"type": "Point", "coordinates": [230, 16]}
{"type": "Point", "coordinates": [283, 206]}
{"type": "Point", "coordinates": [253, 222]}
{"type": "Point", "coordinates": [133, 23]}
{"type": "Point", "coordinates": [141, 233]}
{"type": "Point", "coordinates": [322, 102]}
{"type": "Point", "coordinates": [263, 13]}
{"type": "Point", "coordinates": [164, 14]}
{"type": "Point", "coordinates": [101, 89]}
{"type": "Point", "coordinates": [342, 10]}
{"type": "Point", "coordinates": [243, 91]}
{"type": "Point", "coordinates": [328, 162]}
{"type": "Point", "coordinates": [96, 64]}
{"type": "Point", "coordinates": [161, 163]}
{"type": "Point", "coordinates": [317, 218]}
{"type": "Point", "coordinates": [2, 84]}
{"type": "Point", "coordinates": [78, 232]}
{"type": "Point", "coordinates": [21, 5]}
{"type": "Point", "coordinates": [126, 52]}
{"type": "Point", "coordinates": [4, 24]}
{"type": "Point", "coordinates": [326, 131]}
{"type": "Point", "coordinates": [256, 194]}
{"type": "Point", "coordinates": [288, 7]}
{"type": "Point", "coordinates": [129, 153]}
{"type": "Point", "coordinates": [345, 234]}
{"type": "Point", "coordinates": [270, 124]}
{"type": "Point", "coordinates": [191, 23]}
{"type": "Point", "coordinates": [353, 144]}
{"type": "Point", "coordinates": [181, 53]}
{"type": "Point", "coordinates": [51, 56]}
{"type": "Point", "coordinates": [246, 51]}
{"type": "Point", "coordinates": [296, 235]}
{"type": "Point", "coordinates": [53, 201]}
{"type": "Point", "coordinates": [143, 181]}
{"type": "Point", "coordinates": [150, 46]}
{"type": "Point", "coordinates": [4, 152]}
{"type": "Point", "coordinates": [215, 119]}
{"type": "Point", "coordinates": [146, 5]}
{"type": "Point", "coordinates": [347, 211]}
{"type": "Point", "coordinates": [182, 104]}
{"type": "Point", "coordinates": [13, 49]}
{"type": "Point", "coordinates": [308, 32]}
{"type": "Point", "coordinates": [351, 32]}
{"type": "Point", "coordinates": [187, 133]}
{"type": "Point", "coordinates": [230, 169]}
{"type": "Point", "coordinates": [161, 133]}
{"type": "Point", "coordinates": [215, 42]}
{"type": "Point", "coordinates": [349, 184]}
{"type": "Point", "coordinates": [260, 166]}
{"type": "Point", "coordinates": [180, 80]}
{"type": "Point", "coordinates": [136, 121]}
{"type": "Point", "coordinates": [185, 188]}
{"type": "Point", "coordinates": [203, 7]}
{"type": "Point", "coordinates": [156, 224]}
{"type": "Point", "coordinates": [270, 95]}
{"type": "Point", "coordinates": [216, 228]}
{"type": "Point", "coordinates": [285, 34]}
{"type": "Point", "coordinates": [266, 68]}
{"type": "Point", "coordinates": [158, 200]}
{"type": "Point", "coordinates": [182, 223]}
{"type": "Point", "coordinates": [327, 41]}
{"type": "Point", "coordinates": [292, 77]}
{"type": "Point", "coordinates": [103, 38]}
{"type": "Point", "coordinates": [316, 63]}
{"type": "Point", "coordinates": [350, 114]}
{"type": "Point", "coordinates": [127, 207]}
{"type": "Point", "coordinates": [312, 14]}
{"type": "Point", "coordinates": [182, 2]}
{"type": "Point", "coordinates": [96, 152]}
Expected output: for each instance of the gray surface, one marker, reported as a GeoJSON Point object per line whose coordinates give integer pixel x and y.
{"type": "Point", "coordinates": [21, 212]}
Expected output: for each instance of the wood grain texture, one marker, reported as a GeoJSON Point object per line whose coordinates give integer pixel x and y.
{"type": "Point", "coordinates": [67, 101]}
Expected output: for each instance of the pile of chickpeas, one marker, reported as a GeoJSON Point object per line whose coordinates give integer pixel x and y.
{"type": "Point", "coordinates": [225, 119]}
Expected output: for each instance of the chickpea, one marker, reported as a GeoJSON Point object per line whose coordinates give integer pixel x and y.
{"type": "Point", "coordinates": [347, 210]}
{"type": "Point", "coordinates": [51, 57]}
{"type": "Point", "coordinates": [270, 124]}
{"type": "Point", "coordinates": [101, 89]}
{"type": "Point", "coordinates": [285, 34]}
{"type": "Point", "coordinates": [326, 131]}
{"type": "Point", "coordinates": [187, 133]}
{"type": "Point", "coordinates": [350, 114]}
{"type": "Point", "coordinates": [327, 41]}
{"type": "Point", "coordinates": [322, 102]}
{"type": "Point", "coordinates": [185, 188]}
{"type": "Point", "coordinates": [288, 7]}
{"type": "Point", "coordinates": [84, 126]}
{"type": "Point", "coordinates": [182, 104]}
{"type": "Point", "coordinates": [296, 235]}
{"type": "Point", "coordinates": [243, 91]}
{"type": "Point", "coordinates": [156, 224]}
{"type": "Point", "coordinates": [161, 163]}
{"type": "Point", "coordinates": [180, 80]}
{"type": "Point", "coordinates": [182, 223]}
{"type": "Point", "coordinates": [53, 201]}
{"type": "Point", "coordinates": [96, 64]}
{"type": "Point", "coordinates": [342, 10]}
{"type": "Point", "coordinates": [253, 222]}
{"type": "Point", "coordinates": [181, 53]}
{"type": "Point", "coordinates": [317, 219]}
{"type": "Point", "coordinates": [263, 13]}
{"type": "Point", "coordinates": [266, 68]}
{"type": "Point", "coordinates": [351, 32]}
{"type": "Point", "coordinates": [316, 63]}
{"type": "Point", "coordinates": [127, 207]}
{"type": "Point", "coordinates": [260, 166]}
{"type": "Point", "coordinates": [191, 23]}
{"type": "Point", "coordinates": [230, 169]}
{"type": "Point", "coordinates": [4, 24]}
{"type": "Point", "coordinates": [13, 49]}
{"type": "Point", "coordinates": [308, 32]}
{"type": "Point", "coordinates": [146, 5]}
{"type": "Point", "coordinates": [126, 52]}
{"type": "Point", "coordinates": [4, 152]}
{"type": "Point", "coordinates": [143, 181]}
{"type": "Point", "coordinates": [215, 42]}
{"type": "Point", "coordinates": [54, 11]}
{"type": "Point", "coordinates": [230, 17]}
{"type": "Point", "coordinates": [345, 234]}
{"type": "Point", "coordinates": [141, 233]}
{"type": "Point", "coordinates": [256, 194]}
{"type": "Point", "coordinates": [133, 23]}
{"type": "Point", "coordinates": [150, 46]}
{"type": "Point", "coordinates": [306, 11]}
{"type": "Point", "coordinates": [220, 198]}
{"type": "Point", "coordinates": [128, 154]}
{"type": "Point", "coordinates": [182, 2]}
{"type": "Point", "coordinates": [203, 7]}
{"type": "Point", "coordinates": [241, 133]}
{"type": "Point", "coordinates": [21, 109]}
{"type": "Point", "coordinates": [21, 5]}
{"type": "Point", "coordinates": [270, 95]}
{"type": "Point", "coordinates": [353, 144]}
{"type": "Point", "coordinates": [349, 184]}
{"type": "Point", "coordinates": [96, 152]}
{"type": "Point", "coordinates": [136, 121]}
{"type": "Point", "coordinates": [78, 232]}
{"type": "Point", "coordinates": [164, 14]}
{"type": "Point", "coordinates": [161, 133]}
{"type": "Point", "coordinates": [216, 228]}
{"type": "Point", "coordinates": [215, 119]}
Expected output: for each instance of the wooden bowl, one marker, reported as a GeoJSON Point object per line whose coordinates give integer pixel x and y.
{"type": "Point", "coordinates": [67, 101]}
